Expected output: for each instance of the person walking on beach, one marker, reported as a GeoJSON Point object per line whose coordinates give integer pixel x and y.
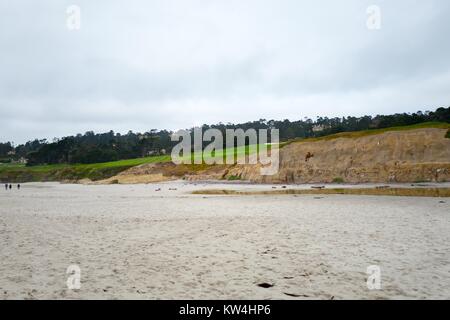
{"type": "Point", "coordinates": [18, 186]}
{"type": "Point", "coordinates": [6, 186]}
{"type": "Point", "coordinates": [10, 186]}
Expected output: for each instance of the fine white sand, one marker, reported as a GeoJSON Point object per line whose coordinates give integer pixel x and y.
{"type": "Point", "coordinates": [133, 242]}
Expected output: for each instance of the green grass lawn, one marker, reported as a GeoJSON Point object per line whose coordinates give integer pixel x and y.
{"type": "Point", "coordinates": [102, 165]}
{"type": "Point", "coordinates": [240, 151]}
{"type": "Point", "coordinates": [358, 134]}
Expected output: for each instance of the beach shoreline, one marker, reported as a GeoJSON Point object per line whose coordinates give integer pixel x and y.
{"type": "Point", "coordinates": [160, 241]}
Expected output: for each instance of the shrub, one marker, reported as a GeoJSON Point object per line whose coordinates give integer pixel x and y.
{"type": "Point", "coordinates": [338, 180]}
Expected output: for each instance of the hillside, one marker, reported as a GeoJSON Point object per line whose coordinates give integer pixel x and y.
{"type": "Point", "coordinates": [92, 148]}
{"type": "Point", "coordinates": [400, 154]}
{"type": "Point", "coordinates": [65, 172]}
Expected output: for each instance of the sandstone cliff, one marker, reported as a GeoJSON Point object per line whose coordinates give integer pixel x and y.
{"type": "Point", "coordinates": [395, 156]}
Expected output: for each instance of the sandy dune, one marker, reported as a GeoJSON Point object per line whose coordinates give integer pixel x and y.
{"type": "Point", "coordinates": [131, 241]}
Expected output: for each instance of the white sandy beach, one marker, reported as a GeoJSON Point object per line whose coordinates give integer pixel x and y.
{"type": "Point", "coordinates": [133, 242]}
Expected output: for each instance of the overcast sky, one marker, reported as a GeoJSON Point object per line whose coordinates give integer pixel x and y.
{"type": "Point", "coordinates": [137, 65]}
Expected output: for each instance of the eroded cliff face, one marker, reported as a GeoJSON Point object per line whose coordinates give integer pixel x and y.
{"type": "Point", "coordinates": [395, 156]}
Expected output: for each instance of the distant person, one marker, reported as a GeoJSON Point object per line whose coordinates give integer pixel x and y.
{"type": "Point", "coordinates": [10, 186]}
{"type": "Point", "coordinates": [18, 186]}
{"type": "Point", "coordinates": [6, 186]}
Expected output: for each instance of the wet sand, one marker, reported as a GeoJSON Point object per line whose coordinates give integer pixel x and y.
{"type": "Point", "coordinates": [134, 242]}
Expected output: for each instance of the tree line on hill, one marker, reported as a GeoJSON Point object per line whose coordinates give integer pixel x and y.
{"type": "Point", "coordinates": [102, 147]}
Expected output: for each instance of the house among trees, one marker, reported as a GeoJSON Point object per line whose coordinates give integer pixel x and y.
{"type": "Point", "coordinates": [156, 152]}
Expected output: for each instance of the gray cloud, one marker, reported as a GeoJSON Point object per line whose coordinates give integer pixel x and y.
{"type": "Point", "coordinates": [177, 63]}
